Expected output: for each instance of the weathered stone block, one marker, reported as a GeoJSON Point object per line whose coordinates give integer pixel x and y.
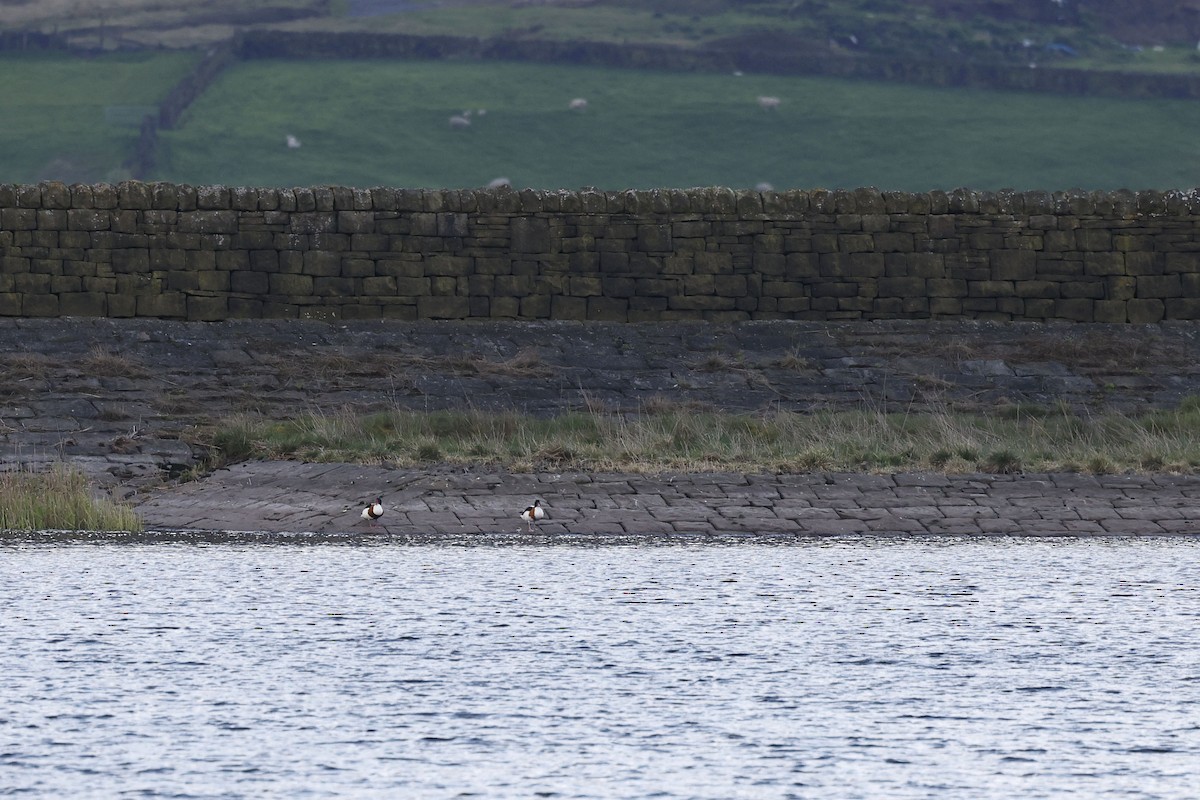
{"type": "Point", "coordinates": [700, 302]}
{"type": "Point", "coordinates": [831, 289]}
{"type": "Point", "coordinates": [1142, 311]}
{"type": "Point", "coordinates": [448, 265]}
{"type": "Point", "coordinates": [28, 195]}
{"type": "Point", "coordinates": [182, 281]}
{"type": "Point", "coordinates": [443, 307]}
{"type": "Point", "coordinates": [351, 222]}
{"type": "Point", "coordinates": [40, 305]}
{"type": "Point", "coordinates": [1013, 265]}
{"type": "Point", "coordinates": [1058, 241]}
{"type": "Point", "coordinates": [65, 283]}
{"type": "Point", "coordinates": [167, 259]}
{"type": "Point", "coordinates": [1093, 289]}
{"type": "Point", "coordinates": [358, 268]}
{"type": "Point", "coordinates": [220, 221]}
{"type": "Point", "coordinates": [245, 308]}
{"type": "Point", "coordinates": [1094, 239]}
{"type": "Point", "coordinates": [1159, 286]}
{"type": "Point", "coordinates": [19, 219]}
{"type": "Point", "coordinates": [1075, 309]}
{"type": "Point", "coordinates": [730, 285]}
{"type": "Point", "coordinates": [1039, 308]}
{"type": "Point", "coordinates": [569, 308]}
{"type": "Point", "coordinates": [947, 287]}
{"type": "Point", "coordinates": [605, 309]}
{"type": "Point", "coordinates": [249, 282]}
{"type": "Point", "coordinates": [1144, 264]}
{"type": "Point", "coordinates": [376, 286]}
{"type": "Point", "coordinates": [1032, 289]}
{"type": "Point", "coordinates": [207, 309]}
{"type": "Point", "coordinates": [83, 304]}
{"type": "Point", "coordinates": [289, 284]}
{"type": "Point", "coordinates": [530, 235]}
{"type": "Point", "coordinates": [10, 304]}
{"type": "Point", "coordinates": [130, 260]}
{"type": "Point", "coordinates": [1182, 308]}
{"type": "Point", "coordinates": [171, 305]}
{"type": "Point", "coordinates": [360, 311]}
{"type": "Point", "coordinates": [324, 286]}
{"type": "Point", "coordinates": [253, 240]}
{"type": "Point", "coordinates": [134, 195]}
{"type": "Point", "coordinates": [214, 281]}
{"type": "Point", "coordinates": [55, 195]}
{"type": "Point", "coordinates": [901, 287]}
{"type": "Point", "coordinates": [713, 263]}
{"type": "Point", "coordinates": [654, 238]}
{"type": "Point", "coordinates": [1110, 311]}
{"type": "Point", "coordinates": [104, 195]}
{"type": "Point", "coordinates": [322, 263]}
{"type": "Point", "coordinates": [1182, 262]}
{"type": "Point", "coordinates": [212, 198]}
{"type": "Point", "coordinates": [586, 286]}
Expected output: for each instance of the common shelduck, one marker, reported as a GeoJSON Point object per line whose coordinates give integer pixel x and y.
{"type": "Point", "coordinates": [374, 510]}
{"type": "Point", "coordinates": [533, 513]}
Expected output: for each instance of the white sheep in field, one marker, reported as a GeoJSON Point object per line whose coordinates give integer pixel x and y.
{"type": "Point", "coordinates": [292, 142]}
{"type": "Point", "coordinates": [768, 103]}
{"type": "Point", "coordinates": [458, 122]}
{"type": "Point", "coordinates": [578, 104]}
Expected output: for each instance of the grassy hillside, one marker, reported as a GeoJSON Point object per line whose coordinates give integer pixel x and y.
{"type": "Point", "coordinates": [77, 119]}
{"type": "Point", "coordinates": [368, 123]}
{"type": "Point", "coordinates": [1103, 31]}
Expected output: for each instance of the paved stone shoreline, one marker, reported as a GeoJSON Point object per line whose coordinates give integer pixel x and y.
{"type": "Point", "coordinates": [328, 498]}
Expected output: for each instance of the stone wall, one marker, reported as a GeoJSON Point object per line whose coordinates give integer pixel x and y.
{"type": "Point", "coordinates": [215, 252]}
{"type": "Point", "coordinates": [778, 54]}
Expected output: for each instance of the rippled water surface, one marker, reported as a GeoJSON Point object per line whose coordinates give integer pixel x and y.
{"type": "Point", "coordinates": [889, 668]}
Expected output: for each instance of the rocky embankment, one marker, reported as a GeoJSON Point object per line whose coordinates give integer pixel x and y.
{"type": "Point", "coordinates": [132, 402]}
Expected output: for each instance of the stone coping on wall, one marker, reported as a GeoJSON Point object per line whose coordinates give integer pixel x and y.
{"type": "Point", "coordinates": [217, 252]}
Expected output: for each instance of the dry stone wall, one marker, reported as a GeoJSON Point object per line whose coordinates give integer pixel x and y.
{"type": "Point", "coordinates": [216, 252]}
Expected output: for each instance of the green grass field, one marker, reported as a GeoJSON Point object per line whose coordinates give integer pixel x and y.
{"type": "Point", "coordinates": [369, 123]}
{"type": "Point", "coordinates": [77, 119]}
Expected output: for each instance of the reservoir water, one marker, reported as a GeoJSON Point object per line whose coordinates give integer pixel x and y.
{"type": "Point", "coordinates": [577, 668]}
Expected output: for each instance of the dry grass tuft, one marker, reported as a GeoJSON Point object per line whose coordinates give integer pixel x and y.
{"type": "Point", "coordinates": [60, 499]}
{"type": "Point", "coordinates": [23, 366]}
{"type": "Point", "coordinates": [100, 362]}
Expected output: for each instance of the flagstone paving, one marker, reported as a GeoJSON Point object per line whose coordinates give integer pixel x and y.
{"type": "Point", "coordinates": [328, 498]}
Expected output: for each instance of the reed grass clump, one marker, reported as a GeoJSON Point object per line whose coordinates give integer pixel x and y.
{"type": "Point", "coordinates": [685, 440]}
{"type": "Point", "coordinates": [59, 499]}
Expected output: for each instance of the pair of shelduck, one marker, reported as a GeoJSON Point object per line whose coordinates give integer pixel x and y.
{"type": "Point", "coordinates": [530, 515]}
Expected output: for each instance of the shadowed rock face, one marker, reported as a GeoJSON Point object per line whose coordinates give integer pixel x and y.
{"type": "Point", "coordinates": [131, 401]}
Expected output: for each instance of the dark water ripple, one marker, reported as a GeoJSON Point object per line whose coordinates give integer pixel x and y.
{"type": "Point", "coordinates": [898, 668]}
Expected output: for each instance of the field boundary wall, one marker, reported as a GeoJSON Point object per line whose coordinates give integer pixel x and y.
{"type": "Point", "coordinates": [787, 57]}
{"type": "Point", "coordinates": [218, 252]}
